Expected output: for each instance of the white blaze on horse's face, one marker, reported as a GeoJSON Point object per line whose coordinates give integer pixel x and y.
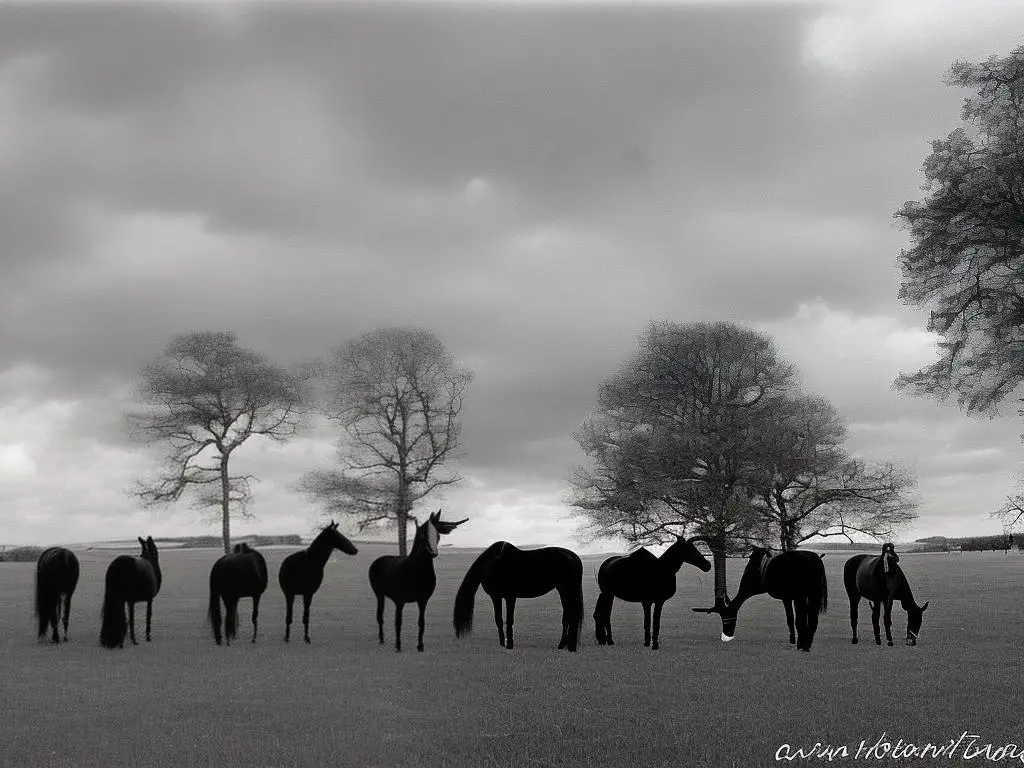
{"type": "Point", "coordinates": [432, 538]}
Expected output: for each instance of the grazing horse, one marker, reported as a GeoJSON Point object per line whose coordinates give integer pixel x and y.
{"type": "Point", "coordinates": [795, 577]}
{"type": "Point", "coordinates": [302, 573]}
{"type": "Point", "coordinates": [129, 580]}
{"type": "Point", "coordinates": [505, 571]}
{"type": "Point", "coordinates": [56, 578]}
{"type": "Point", "coordinates": [243, 573]}
{"type": "Point", "coordinates": [409, 578]}
{"type": "Point", "coordinates": [880, 580]}
{"type": "Point", "coordinates": [642, 577]}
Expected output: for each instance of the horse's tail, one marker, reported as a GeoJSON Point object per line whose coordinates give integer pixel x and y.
{"type": "Point", "coordinates": [114, 624]}
{"type": "Point", "coordinates": [45, 598]}
{"type": "Point", "coordinates": [824, 591]}
{"type": "Point", "coordinates": [579, 607]}
{"type": "Point", "coordinates": [231, 619]}
{"type": "Point", "coordinates": [213, 611]}
{"type": "Point", "coordinates": [463, 617]}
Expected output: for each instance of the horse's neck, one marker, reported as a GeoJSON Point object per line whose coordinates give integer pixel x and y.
{"type": "Point", "coordinates": [903, 593]}
{"type": "Point", "coordinates": [419, 557]}
{"type": "Point", "coordinates": [672, 558]}
{"type": "Point", "coordinates": [155, 565]}
{"type": "Point", "coordinates": [752, 582]}
{"type": "Point", "coordinates": [318, 552]}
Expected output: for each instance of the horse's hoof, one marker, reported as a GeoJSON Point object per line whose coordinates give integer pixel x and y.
{"type": "Point", "coordinates": [610, 641]}
{"type": "Point", "coordinates": [420, 647]}
{"type": "Point", "coordinates": [647, 643]}
{"type": "Point", "coordinates": [889, 643]}
{"type": "Point", "coordinates": [654, 646]}
{"type": "Point", "coordinates": [854, 641]}
{"type": "Point", "coordinates": [307, 640]}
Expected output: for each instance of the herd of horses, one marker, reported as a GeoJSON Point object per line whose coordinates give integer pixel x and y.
{"type": "Point", "coordinates": [505, 572]}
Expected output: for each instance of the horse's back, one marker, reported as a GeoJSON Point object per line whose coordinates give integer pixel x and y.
{"type": "Point", "coordinates": [533, 572]}
{"type": "Point", "coordinates": [58, 568]}
{"type": "Point", "coordinates": [796, 573]}
{"type": "Point", "coordinates": [296, 576]}
{"type": "Point", "coordinates": [637, 578]}
{"type": "Point", "coordinates": [242, 573]}
{"type": "Point", "coordinates": [134, 577]}
{"type": "Point", "coordinates": [864, 577]}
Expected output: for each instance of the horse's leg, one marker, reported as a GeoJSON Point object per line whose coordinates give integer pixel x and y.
{"type": "Point", "coordinates": [380, 618]}
{"type": "Point", "coordinates": [131, 622]}
{"type": "Point", "coordinates": [608, 620]}
{"type": "Point", "coordinates": [422, 623]}
{"type": "Point", "coordinates": [255, 616]}
{"type": "Point", "coordinates": [398, 625]}
{"type": "Point", "coordinates": [657, 624]}
{"type": "Point", "coordinates": [289, 598]}
{"type": "Point", "coordinates": [510, 619]}
{"type": "Point", "coordinates": [888, 620]}
{"type": "Point", "coordinates": [813, 607]}
{"type": "Point", "coordinates": [499, 621]}
{"type": "Point", "coordinates": [789, 620]}
{"type": "Point", "coordinates": [803, 642]}
{"type": "Point", "coordinates": [647, 623]}
{"type": "Point", "coordinates": [67, 613]}
{"type": "Point", "coordinates": [307, 599]}
{"type": "Point", "coordinates": [564, 641]}
{"type": "Point", "coordinates": [854, 607]}
{"type": "Point", "coordinates": [876, 607]}
{"type": "Point", "coordinates": [149, 617]}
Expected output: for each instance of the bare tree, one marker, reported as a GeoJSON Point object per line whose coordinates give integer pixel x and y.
{"type": "Point", "coordinates": [202, 400]}
{"type": "Point", "coordinates": [671, 439]}
{"type": "Point", "coordinates": [810, 486]}
{"type": "Point", "coordinates": [398, 395]}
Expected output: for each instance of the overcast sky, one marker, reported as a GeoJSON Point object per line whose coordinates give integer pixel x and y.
{"type": "Point", "coordinates": [534, 183]}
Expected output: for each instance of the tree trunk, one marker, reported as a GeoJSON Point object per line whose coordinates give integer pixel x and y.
{"type": "Point", "coordinates": [718, 560]}
{"type": "Point", "coordinates": [225, 521]}
{"type": "Point", "coordinates": [402, 513]}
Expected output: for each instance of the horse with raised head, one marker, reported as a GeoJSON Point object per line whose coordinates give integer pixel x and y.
{"type": "Point", "coordinates": [879, 579]}
{"type": "Point", "coordinates": [796, 577]}
{"type": "Point", "coordinates": [56, 579]}
{"type": "Point", "coordinates": [409, 578]}
{"type": "Point", "coordinates": [507, 573]}
{"type": "Point", "coordinates": [645, 578]}
{"type": "Point", "coordinates": [302, 573]}
{"type": "Point", "coordinates": [243, 573]}
{"type": "Point", "coordinates": [129, 580]}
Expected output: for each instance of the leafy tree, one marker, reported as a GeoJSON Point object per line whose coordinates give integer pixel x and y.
{"type": "Point", "coordinates": [673, 439]}
{"type": "Point", "coordinates": [398, 395]}
{"type": "Point", "coordinates": [966, 261]}
{"type": "Point", "coordinates": [203, 399]}
{"type": "Point", "coordinates": [807, 484]}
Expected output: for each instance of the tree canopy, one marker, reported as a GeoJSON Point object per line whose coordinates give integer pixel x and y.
{"type": "Point", "coordinates": [966, 261]}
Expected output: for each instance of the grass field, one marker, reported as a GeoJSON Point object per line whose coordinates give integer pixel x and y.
{"type": "Point", "coordinates": [345, 700]}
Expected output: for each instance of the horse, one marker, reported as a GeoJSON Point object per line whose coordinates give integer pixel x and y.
{"type": "Point", "coordinates": [505, 571]}
{"type": "Point", "coordinates": [795, 577]}
{"type": "Point", "coordinates": [301, 573]}
{"type": "Point", "coordinates": [129, 580]}
{"type": "Point", "coordinates": [642, 577]}
{"type": "Point", "coordinates": [56, 578]}
{"type": "Point", "coordinates": [880, 580]}
{"type": "Point", "coordinates": [243, 573]}
{"type": "Point", "coordinates": [409, 578]}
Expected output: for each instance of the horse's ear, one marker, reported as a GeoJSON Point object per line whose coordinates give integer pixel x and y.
{"type": "Point", "coordinates": [142, 541]}
{"type": "Point", "coordinates": [435, 515]}
{"type": "Point", "coordinates": [925, 606]}
{"type": "Point", "coordinates": [334, 525]}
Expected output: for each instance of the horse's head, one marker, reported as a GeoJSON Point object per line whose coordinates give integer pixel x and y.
{"type": "Point", "coordinates": [889, 556]}
{"type": "Point", "coordinates": [149, 549]}
{"type": "Point", "coordinates": [914, 617]}
{"type": "Point", "coordinates": [331, 536]}
{"type": "Point", "coordinates": [241, 549]}
{"type": "Point", "coordinates": [431, 531]}
{"type": "Point", "coordinates": [685, 551]}
{"type": "Point", "coordinates": [727, 610]}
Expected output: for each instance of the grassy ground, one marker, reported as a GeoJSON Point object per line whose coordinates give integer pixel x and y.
{"type": "Point", "coordinates": [345, 700]}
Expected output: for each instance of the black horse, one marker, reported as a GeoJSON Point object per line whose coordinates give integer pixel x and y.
{"type": "Point", "coordinates": [642, 577]}
{"type": "Point", "coordinates": [797, 578]}
{"type": "Point", "coordinates": [129, 580]}
{"type": "Point", "coordinates": [243, 573]}
{"type": "Point", "coordinates": [56, 579]}
{"type": "Point", "coordinates": [505, 571]}
{"type": "Point", "coordinates": [409, 578]}
{"type": "Point", "coordinates": [302, 573]}
{"type": "Point", "coordinates": [880, 580]}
